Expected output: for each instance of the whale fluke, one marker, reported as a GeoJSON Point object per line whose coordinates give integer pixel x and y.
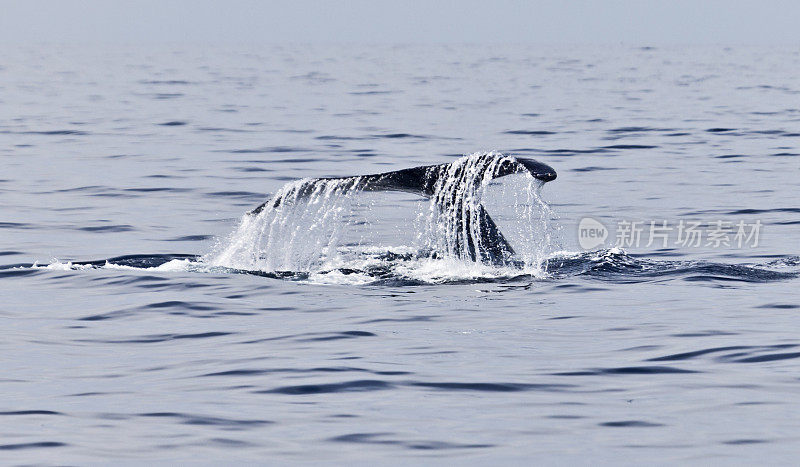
{"type": "Point", "coordinates": [470, 231]}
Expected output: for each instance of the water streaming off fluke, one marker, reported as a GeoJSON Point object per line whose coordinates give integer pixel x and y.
{"type": "Point", "coordinates": [300, 228]}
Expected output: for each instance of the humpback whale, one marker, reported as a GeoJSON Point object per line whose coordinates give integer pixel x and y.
{"type": "Point", "coordinates": [453, 188]}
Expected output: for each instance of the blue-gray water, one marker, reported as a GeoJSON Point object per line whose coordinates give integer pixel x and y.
{"type": "Point", "coordinates": [641, 354]}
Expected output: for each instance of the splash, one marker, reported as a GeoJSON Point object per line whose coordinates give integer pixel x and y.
{"type": "Point", "coordinates": [297, 230]}
{"type": "Point", "coordinates": [300, 228]}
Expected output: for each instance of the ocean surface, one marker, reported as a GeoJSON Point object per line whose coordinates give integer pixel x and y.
{"type": "Point", "coordinates": [145, 320]}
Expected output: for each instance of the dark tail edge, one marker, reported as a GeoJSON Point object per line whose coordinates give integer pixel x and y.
{"type": "Point", "coordinates": [422, 180]}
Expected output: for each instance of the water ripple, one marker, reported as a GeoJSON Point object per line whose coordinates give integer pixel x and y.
{"type": "Point", "coordinates": [38, 445]}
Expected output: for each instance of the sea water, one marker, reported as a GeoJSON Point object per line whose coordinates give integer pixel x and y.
{"type": "Point", "coordinates": [331, 333]}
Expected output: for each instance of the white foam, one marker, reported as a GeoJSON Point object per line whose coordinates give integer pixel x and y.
{"type": "Point", "coordinates": [57, 265]}
{"type": "Point", "coordinates": [175, 265]}
{"type": "Point", "coordinates": [337, 277]}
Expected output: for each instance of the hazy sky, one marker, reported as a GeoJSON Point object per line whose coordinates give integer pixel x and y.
{"type": "Point", "coordinates": [637, 22]}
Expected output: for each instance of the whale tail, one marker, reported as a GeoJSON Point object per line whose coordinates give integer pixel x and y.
{"type": "Point", "coordinates": [469, 231]}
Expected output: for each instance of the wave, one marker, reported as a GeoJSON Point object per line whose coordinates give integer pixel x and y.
{"type": "Point", "coordinates": [385, 267]}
